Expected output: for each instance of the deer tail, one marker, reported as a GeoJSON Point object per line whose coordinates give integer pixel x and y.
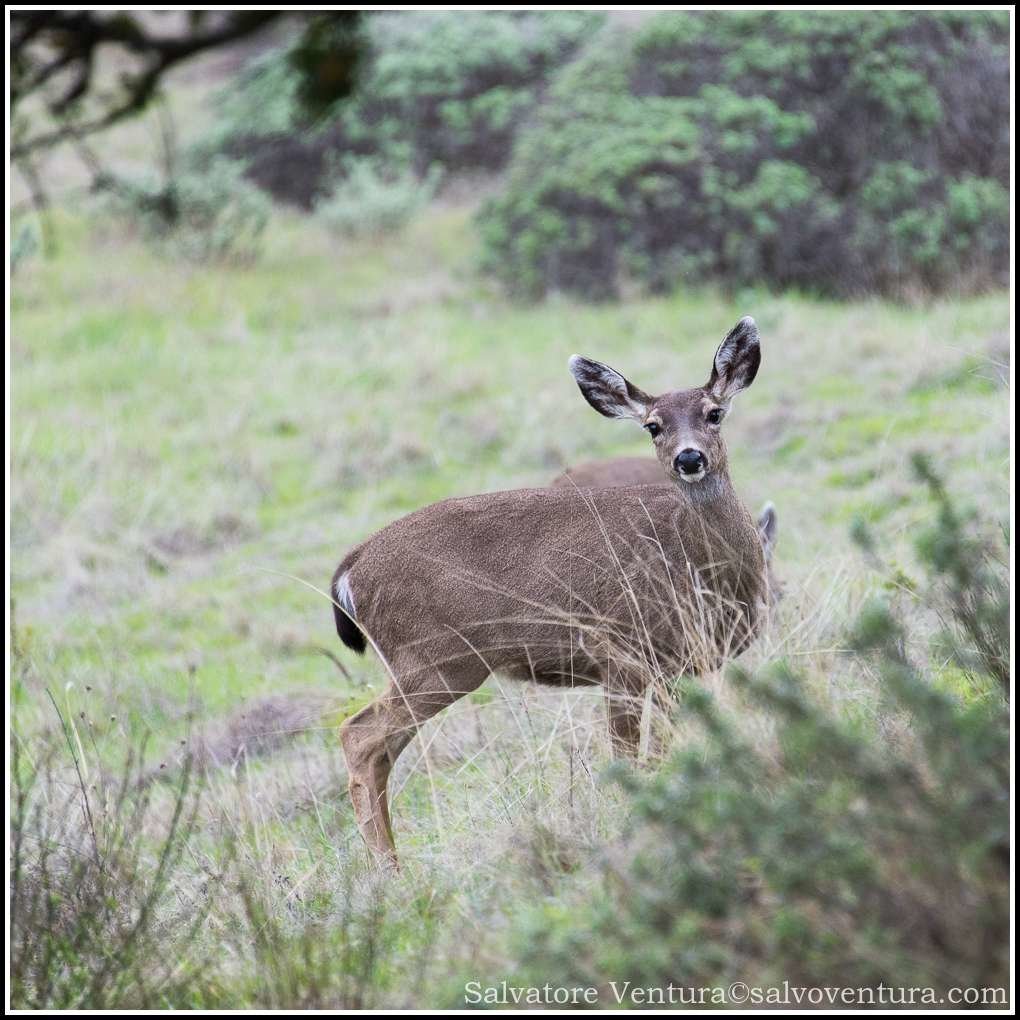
{"type": "Point", "coordinates": [343, 608]}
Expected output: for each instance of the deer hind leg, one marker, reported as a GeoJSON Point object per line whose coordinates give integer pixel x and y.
{"type": "Point", "coordinates": [373, 739]}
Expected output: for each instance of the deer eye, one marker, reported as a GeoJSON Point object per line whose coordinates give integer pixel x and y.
{"type": "Point", "coordinates": [715, 416]}
{"type": "Point", "coordinates": [653, 428]}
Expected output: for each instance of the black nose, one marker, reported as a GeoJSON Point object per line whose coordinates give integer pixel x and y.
{"type": "Point", "coordinates": [689, 462]}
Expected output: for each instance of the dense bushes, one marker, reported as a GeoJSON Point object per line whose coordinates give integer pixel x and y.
{"type": "Point", "coordinates": [839, 854]}
{"type": "Point", "coordinates": [842, 153]}
{"type": "Point", "coordinates": [437, 89]}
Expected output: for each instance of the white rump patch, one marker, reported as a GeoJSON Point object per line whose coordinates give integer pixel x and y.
{"type": "Point", "coordinates": [345, 594]}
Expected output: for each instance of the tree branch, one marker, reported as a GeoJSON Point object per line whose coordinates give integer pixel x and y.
{"type": "Point", "coordinates": [77, 35]}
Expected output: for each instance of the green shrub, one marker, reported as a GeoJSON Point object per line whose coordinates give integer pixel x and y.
{"type": "Point", "coordinates": [438, 89]}
{"type": "Point", "coordinates": [369, 199]}
{"type": "Point", "coordinates": [838, 854]}
{"type": "Point", "coordinates": [454, 88]}
{"type": "Point", "coordinates": [207, 212]}
{"type": "Point", "coordinates": [843, 153]}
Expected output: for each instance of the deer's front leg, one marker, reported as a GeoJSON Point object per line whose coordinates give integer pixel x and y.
{"type": "Point", "coordinates": [659, 722]}
{"type": "Point", "coordinates": [624, 711]}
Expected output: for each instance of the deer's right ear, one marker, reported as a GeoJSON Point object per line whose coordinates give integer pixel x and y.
{"type": "Point", "coordinates": [607, 391]}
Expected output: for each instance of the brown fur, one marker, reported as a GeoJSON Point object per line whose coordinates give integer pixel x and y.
{"type": "Point", "coordinates": [565, 586]}
{"type": "Point", "coordinates": [621, 472]}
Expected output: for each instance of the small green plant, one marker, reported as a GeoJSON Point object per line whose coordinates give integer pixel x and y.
{"type": "Point", "coordinates": [24, 242]}
{"type": "Point", "coordinates": [373, 200]}
{"type": "Point", "coordinates": [966, 571]}
{"type": "Point", "coordinates": [208, 212]}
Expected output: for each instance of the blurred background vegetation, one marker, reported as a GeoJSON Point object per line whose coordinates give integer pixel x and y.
{"type": "Point", "coordinates": [277, 279]}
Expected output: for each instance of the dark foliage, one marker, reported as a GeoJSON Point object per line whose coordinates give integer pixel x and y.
{"type": "Point", "coordinates": [843, 153]}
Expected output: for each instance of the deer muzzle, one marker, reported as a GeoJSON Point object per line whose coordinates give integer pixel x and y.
{"type": "Point", "coordinates": [690, 464]}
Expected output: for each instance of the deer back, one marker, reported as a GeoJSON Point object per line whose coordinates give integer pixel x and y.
{"type": "Point", "coordinates": [543, 584]}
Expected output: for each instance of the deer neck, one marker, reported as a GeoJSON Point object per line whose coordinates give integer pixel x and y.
{"type": "Point", "coordinates": [710, 491]}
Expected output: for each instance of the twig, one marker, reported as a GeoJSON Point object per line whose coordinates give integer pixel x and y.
{"type": "Point", "coordinates": [86, 806]}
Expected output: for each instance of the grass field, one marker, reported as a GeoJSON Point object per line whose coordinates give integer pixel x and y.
{"type": "Point", "coordinates": [193, 450]}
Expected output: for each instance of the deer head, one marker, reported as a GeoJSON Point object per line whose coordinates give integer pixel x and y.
{"type": "Point", "coordinates": [685, 425]}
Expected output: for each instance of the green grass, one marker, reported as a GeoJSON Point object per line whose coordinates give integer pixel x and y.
{"type": "Point", "coordinates": [195, 447]}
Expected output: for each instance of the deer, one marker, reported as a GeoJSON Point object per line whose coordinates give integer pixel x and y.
{"type": "Point", "coordinates": [616, 472]}
{"type": "Point", "coordinates": [610, 587]}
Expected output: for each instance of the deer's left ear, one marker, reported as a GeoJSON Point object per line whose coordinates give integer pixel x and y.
{"type": "Point", "coordinates": [737, 360]}
{"type": "Point", "coordinates": [768, 528]}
